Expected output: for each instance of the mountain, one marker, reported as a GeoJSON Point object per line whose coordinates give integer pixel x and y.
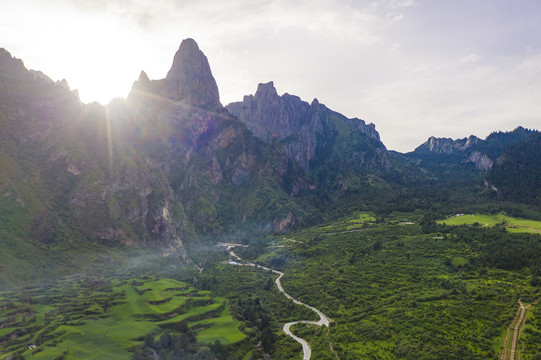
{"type": "Point", "coordinates": [224, 176]}
{"type": "Point", "coordinates": [170, 165]}
{"type": "Point", "coordinates": [461, 150]}
{"type": "Point", "coordinates": [445, 152]}
{"type": "Point", "coordinates": [473, 166]}
{"type": "Point", "coordinates": [340, 156]}
{"type": "Point", "coordinates": [70, 183]}
{"type": "Point", "coordinates": [308, 132]}
{"type": "Point", "coordinates": [189, 80]}
{"type": "Point", "coordinates": [517, 173]}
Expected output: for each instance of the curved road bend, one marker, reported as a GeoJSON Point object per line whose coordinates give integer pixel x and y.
{"type": "Point", "coordinates": [323, 319]}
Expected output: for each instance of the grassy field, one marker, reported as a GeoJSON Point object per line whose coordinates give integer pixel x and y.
{"type": "Point", "coordinates": [512, 224]}
{"type": "Point", "coordinates": [97, 319]}
{"type": "Point", "coordinates": [354, 222]}
{"type": "Point", "coordinates": [223, 329]}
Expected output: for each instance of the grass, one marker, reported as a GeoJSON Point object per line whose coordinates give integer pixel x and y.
{"type": "Point", "coordinates": [103, 320]}
{"type": "Point", "coordinates": [353, 222]}
{"type": "Point", "coordinates": [458, 261]}
{"type": "Point", "coordinates": [225, 329]}
{"type": "Point", "coordinates": [512, 224]}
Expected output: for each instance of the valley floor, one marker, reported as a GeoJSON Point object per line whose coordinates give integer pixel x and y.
{"type": "Point", "coordinates": [402, 287]}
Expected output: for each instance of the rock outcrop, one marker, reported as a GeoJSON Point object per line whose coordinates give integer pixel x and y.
{"type": "Point", "coordinates": [268, 115]}
{"type": "Point", "coordinates": [482, 153]}
{"type": "Point", "coordinates": [84, 182]}
{"type": "Point", "coordinates": [447, 145]}
{"type": "Point", "coordinates": [301, 127]}
{"type": "Point", "coordinates": [189, 80]}
{"type": "Point", "coordinates": [204, 151]}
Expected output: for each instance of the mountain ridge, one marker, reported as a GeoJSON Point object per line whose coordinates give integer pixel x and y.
{"type": "Point", "coordinates": [170, 166]}
{"type": "Point", "coordinates": [481, 152]}
{"type": "Point", "coordinates": [302, 128]}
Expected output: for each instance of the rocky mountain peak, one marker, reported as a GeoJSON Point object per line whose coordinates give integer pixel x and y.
{"type": "Point", "coordinates": [143, 78]}
{"type": "Point", "coordinates": [266, 90]}
{"type": "Point", "coordinates": [140, 87]}
{"type": "Point", "coordinates": [190, 78]}
{"type": "Point", "coordinates": [302, 128]}
{"type": "Point", "coordinates": [5, 55]}
{"type": "Point", "coordinates": [9, 66]}
{"type": "Point", "coordinates": [448, 145]}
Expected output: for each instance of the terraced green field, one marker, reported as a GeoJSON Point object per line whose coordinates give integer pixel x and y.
{"type": "Point", "coordinates": [512, 224]}
{"type": "Point", "coordinates": [353, 222]}
{"type": "Point", "coordinates": [95, 319]}
{"type": "Point", "coordinates": [219, 329]}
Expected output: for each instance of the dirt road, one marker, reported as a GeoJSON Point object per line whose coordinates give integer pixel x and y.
{"type": "Point", "coordinates": [516, 332]}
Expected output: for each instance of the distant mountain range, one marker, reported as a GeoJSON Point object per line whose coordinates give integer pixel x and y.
{"type": "Point", "coordinates": [170, 165]}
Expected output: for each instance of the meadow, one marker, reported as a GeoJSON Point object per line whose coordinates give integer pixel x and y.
{"type": "Point", "coordinates": [512, 224]}
{"type": "Point", "coordinates": [90, 318]}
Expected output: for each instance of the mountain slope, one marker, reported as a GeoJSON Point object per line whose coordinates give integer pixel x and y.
{"type": "Point", "coordinates": [69, 182]}
{"type": "Point", "coordinates": [517, 173]}
{"type": "Point", "coordinates": [308, 132]}
{"type": "Point", "coordinates": [206, 153]}
{"type": "Point", "coordinates": [481, 153]}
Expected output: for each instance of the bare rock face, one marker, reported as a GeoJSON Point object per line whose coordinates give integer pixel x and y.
{"type": "Point", "coordinates": [190, 78]}
{"type": "Point", "coordinates": [202, 149]}
{"type": "Point", "coordinates": [282, 225]}
{"type": "Point", "coordinates": [302, 128]}
{"type": "Point", "coordinates": [481, 161]}
{"type": "Point", "coordinates": [268, 115]}
{"type": "Point", "coordinates": [108, 192]}
{"type": "Point", "coordinates": [189, 81]}
{"type": "Point", "coordinates": [483, 153]}
{"type": "Point", "coordinates": [448, 145]}
{"type": "Point", "coordinates": [11, 67]}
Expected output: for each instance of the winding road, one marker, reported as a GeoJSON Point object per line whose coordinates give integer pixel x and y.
{"type": "Point", "coordinates": [323, 319]}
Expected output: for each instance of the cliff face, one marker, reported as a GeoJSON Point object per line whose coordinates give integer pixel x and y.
{"type": "Point", "coordinates": [301, 127]}
{"type": "Point", "coordinates": [268, 115]}
{"type": "Point", "coordinates": [190, 78]}
{"type": "Point", "coordinates": [447, 145]}
{"type": "Point", "coordinates": [482, 153]}
{"type": "Point", "coordinates": [204, 151]}
{"type": "Point", "coordinates": [75, 178]}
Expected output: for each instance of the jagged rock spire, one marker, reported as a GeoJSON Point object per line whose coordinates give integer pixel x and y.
{"type": "Point", "coordinates": [266, 90]}
{"type": "Point", "coordinates": [190, 78]}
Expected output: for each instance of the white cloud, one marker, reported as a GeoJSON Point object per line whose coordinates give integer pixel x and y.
{"type": "Point", "coordinates": [456, 100]}
{"type": "Point", "coordinates": [470, 58]}
{"type": "Point", "coordinates": [399, 4]}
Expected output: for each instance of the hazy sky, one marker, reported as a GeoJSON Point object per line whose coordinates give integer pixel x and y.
{"type": "Point", "coordinates": [414, 68]}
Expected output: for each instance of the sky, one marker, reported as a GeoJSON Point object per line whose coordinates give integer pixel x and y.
{"type": "Point", "coordinates": [413, 68]}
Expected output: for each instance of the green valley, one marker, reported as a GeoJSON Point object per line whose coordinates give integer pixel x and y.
{"type": "Point", "coordinates": [400, 290]}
